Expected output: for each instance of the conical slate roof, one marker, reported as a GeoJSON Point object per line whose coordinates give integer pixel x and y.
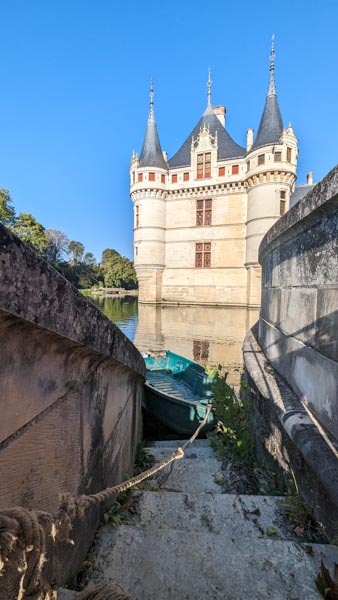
{"type": "Point", "coordinates": [227, 147]}
{"type": "Point", "coordinates": [271, 125]}
{"type": "Point", "coordinates": [151, 153]}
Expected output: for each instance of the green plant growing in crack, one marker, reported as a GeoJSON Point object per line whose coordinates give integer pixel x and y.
{"type": "Point", "coordinates": [231, 437]}
{"type": "Point", "coordinates": [143, 459]}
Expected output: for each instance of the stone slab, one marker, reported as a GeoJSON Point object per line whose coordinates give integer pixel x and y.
{"type": "Point", "coordinates": [64, 594]}
{"type": "Point", "coordinates": [228, 514]}
{"type": "Point", "coordinates": [194, 476]}
{"type": "Point", "coordinates": [174, 565]}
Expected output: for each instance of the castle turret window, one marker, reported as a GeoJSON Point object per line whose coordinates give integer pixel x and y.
{"type": "Point", "coordinates": [221, 171]}
{"type": "Point", "coordinates": [140, 177]}
{"type": "Point", "coordinates": [282, 202]}
{"type": "Point", "coordinates": [203, 212]}
{"type": "Point", "coordinates": [235, 169]}
{"type": "Point", "coordinates": [162, 178]}
{"type": "Point", "coordinates": [137, 215]}
{"type": "Point", "coordinates": [185, 176]}
{"type": "Point", "coordinates": [278, 156]}
{"type": "Point", "coordinates": [151, 176]}
{"type": "Point", "coordinates": [204, 165]}
{"type": "Point", "coordinates": [261, 159]}
{"type": "Point", "coordinates": [288, 154]}
{"type": "Point", "coordinates": [174, 178]}
{"type": "Point", "coordinates": [203, 254]}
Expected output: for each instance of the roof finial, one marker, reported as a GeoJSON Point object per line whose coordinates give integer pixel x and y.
{"type": "Point", "coordinates": [272, 86]}
{"type": "Point", "coordinates": [151, 111]}
{"type": "Point", "coordinates": [209, 87]}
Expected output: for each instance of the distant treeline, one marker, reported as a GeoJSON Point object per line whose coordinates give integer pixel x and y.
{"type": "Point", "coordinates": [69, 257]}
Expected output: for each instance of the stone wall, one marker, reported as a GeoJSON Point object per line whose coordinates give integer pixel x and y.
{"type": "Point", "coordinates": [298, 328]}
{"type": "Point", "coordinates": [291, 357]}
{"type": "Point", "coordinates": [70, 388]}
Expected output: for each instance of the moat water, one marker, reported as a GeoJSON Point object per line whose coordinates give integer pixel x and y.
{"type": "Point", "coordinates": [207, 335]}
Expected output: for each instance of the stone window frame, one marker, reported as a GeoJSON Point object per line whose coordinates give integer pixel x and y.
{"type": "Point", "coordinates": [203, 165]}
{"type": "Point", "coordinates": [186, 176]}
{"type": "Point", "coordinates": [261, 159]}
{"type": "Point", "coordinates": [203, 212]}
{"type": "Point", "coordinates": [235, 170]}
{"type": "Point", "coordinates": [162, 178]}
{"type": "Point", "coordinates": [151, 176]}
{"type": "Point", "coordinates": [202, 255]}
{"type": "Point", "coordinates": [288, 154]}
{"type": "Point", "coordinates": [282, 202]}
{"type": "Point", "coordinates": [140, 177]}
{"type": "Point", "coordinates": [221, 171]}
{"type": "Point", "coordinates": [174, 178]}
{"type": "Point", "coordinates": [278, 156]}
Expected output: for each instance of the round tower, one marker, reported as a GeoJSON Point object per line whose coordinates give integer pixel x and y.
{"type": "Point", "coordinates": [271, 173]}
{"type": "Point", "coordinates": [148, 179]}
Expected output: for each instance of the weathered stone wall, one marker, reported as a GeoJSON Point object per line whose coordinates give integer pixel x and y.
{"type": "Point", "coordinates": [291, 358]}
{"type": "Point", "coordinates": [298, 328]}
{"type": "Point", "coordinates": [70, 388]}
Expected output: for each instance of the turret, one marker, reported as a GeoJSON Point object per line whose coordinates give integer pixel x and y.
{"type": "Point", "coordinates": [148, 174]}
{"type": "Point", "coordinates": [271, 172]}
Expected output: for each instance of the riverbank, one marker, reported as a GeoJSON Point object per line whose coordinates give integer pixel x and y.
{"type": "Point", "coordinates": [108, 292]}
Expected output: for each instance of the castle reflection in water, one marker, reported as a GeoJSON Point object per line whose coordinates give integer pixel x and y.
{"type": "Point", "coordinates": [207, 335]}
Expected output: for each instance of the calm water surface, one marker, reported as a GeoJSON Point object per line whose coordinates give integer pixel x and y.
{"type": "Point", "coordinates": [207, 335]}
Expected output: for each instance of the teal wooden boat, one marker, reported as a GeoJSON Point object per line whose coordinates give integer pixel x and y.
{"type": "Point", "coordinates": [177, 392]}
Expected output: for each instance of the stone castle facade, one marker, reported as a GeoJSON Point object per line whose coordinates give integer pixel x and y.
{"type": "Point", "coordinates": [200, 216]}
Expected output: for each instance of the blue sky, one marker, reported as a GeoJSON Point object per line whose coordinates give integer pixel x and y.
{"type": "Point", "coordinates": [75, 94]}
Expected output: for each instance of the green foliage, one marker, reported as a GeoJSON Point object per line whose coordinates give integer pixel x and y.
{"type": "Point", "coordinates": [231, 438]}
{"type": "Point", "coordinates": [30, 231]}
{"type": "Point", "coordinates": [76, 250]}
{"type": "Point", "coordinates": [7, 210]}
{"type": "Point", "coordinates": [115, 515]}
{"type": "Point", "coordinates": [118, 271]}
{"type": "Point", "coordinates": [143, 459]}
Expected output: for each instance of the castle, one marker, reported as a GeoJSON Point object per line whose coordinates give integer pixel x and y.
{"type": "Point", "coordinates": [200, 216]}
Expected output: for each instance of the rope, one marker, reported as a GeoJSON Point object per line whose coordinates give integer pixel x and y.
{"type": "Point", "coordinates": [23, 534]}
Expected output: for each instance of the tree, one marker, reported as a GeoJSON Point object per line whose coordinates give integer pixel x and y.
{"type": "Point", "coordinates": [118, 271]}
{"type": "Point", "coordinates": [76, 249]}
{"type": "Point", "coordinates": [30, 231]}
{"type": "Point", "coordinates": [7, 211]}
{"type": "Point", "coordinates": [57, 246]}
{"type": "Point", "coordinates": [89, 259]}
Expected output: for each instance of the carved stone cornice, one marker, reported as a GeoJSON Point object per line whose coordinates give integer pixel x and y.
{"type": "Point", "coordinates": [148, 193]}
{"type": "Point", "coordinates": [271, 177]}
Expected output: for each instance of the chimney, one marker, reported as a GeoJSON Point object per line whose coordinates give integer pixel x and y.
{"type": "Point", "coordinates": [309, 178]}
{"type": "Point", "coordinates": [249, 138]}
{"type": "Point", "coordinates": [220, 111]}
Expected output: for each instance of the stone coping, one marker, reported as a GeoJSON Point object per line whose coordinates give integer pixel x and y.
{"type": "Point", "coordinates": [325, 192]}
{"type": "Point", "coordinates": [31, 289]}
{"type": "Point", "coordinates": [293, 417]}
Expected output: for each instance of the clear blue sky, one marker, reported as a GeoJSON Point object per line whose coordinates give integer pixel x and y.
{"type": "Point", "coordinates": [75, 92]}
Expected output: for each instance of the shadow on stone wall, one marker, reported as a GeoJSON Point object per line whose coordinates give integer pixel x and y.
{"type": "Point", "coordinates": [70, 390]}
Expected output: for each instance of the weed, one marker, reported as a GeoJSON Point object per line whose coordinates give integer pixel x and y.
{"type": "Point", "coordinates": [115, 515]}
{"type": "Point", "coordinates": [143, 459]}
{"type": "Point", "coordinates": [304, 524]}
{"type": "Point", "coordinates": [231, 437]}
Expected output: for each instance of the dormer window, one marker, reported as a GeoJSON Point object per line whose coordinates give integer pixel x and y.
{"type": "Point", "coordinates": [204, 165]}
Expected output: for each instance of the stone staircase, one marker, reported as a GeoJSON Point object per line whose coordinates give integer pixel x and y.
{"type": "Point", "coordinates": [189, 540]}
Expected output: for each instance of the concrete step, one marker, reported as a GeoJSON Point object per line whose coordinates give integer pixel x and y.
{"type": "Point", "coordinates": [173, 565]}
{"type": "Point", "coordinates": [227, 514]}
{"type": "Point", "coordinates": [191, 452]}
{"type": "Point", "coordinates": [191, 476]}
{"type": "Point", "coordinates": [202, 443]}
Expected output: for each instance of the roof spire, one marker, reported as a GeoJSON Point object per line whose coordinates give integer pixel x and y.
{"type": "Point", "coordinates": [209, 82]}
{"type": "Point", "coordinates": [151, 109]}
{"type": "Point", "coordinates": [151, 153]}
{"type": "Point", "coordinates": [272, 86]}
